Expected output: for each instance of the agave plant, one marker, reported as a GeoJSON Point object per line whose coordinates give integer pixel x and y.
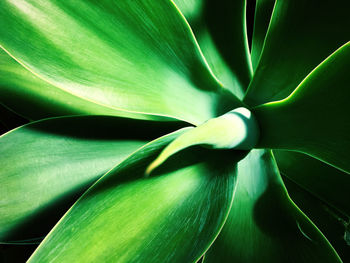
{"type": "Point", "coordinates": [156, 134]}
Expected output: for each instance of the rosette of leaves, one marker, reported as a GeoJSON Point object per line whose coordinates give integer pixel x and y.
{"type": "Point", "coordinates": [156, 135]}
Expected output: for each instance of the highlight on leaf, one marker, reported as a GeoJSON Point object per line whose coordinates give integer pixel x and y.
{"type": "Point", "coordinates": [236, 129]}
{"type": "Point", "coordinates": [105, 89]}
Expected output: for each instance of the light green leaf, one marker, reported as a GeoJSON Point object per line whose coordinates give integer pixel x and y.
{"type": "Point", "coordinates": [314, 119]}
{"type": "Point", "coordinates": [236, 129]}
{"type": "Point", "coordinates": [264, 225]}
{"type": "Point", "coordinates": [300, 36]}
{"type": "Point", "coordinates": [226, 50]}
{"type": "Point", "coordinates": [262, 18]}
{"type": "Point", "coordinates": [46, 165]}
{"type": "Point", "coordinates": [134, 56]}
{"type": "Point", "coordinates": [325, 182]}
{"type": "Point", "coordinates": [172, 216]}
{"type": "Point", "coordinates": [34, 98]}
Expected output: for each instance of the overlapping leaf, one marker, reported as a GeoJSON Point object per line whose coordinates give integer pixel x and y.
{"type": "Point", "coordinates": [226, 50]}
{"type": "Point", "coordinates": [171, 216]}
{"type": "Point", "coordinates": [300, 36]}
{"type": "Point", "coordinates": [314, 119]}
{"type": "Point", "coordinates": [46, 165]}
{"type": "Point", "coordinates": [34, 98]}
{"type": "Point", "coordinates": [236, 129]}
{"type": "Point", "coordinates": [262, 17]}
{"type": "Point", "coordinates": [134, 56]}
{"type": "Point", "coordinates": [324, 181]}
{"type": "Point", "coordinates": [333, 224]}
{"type": "Point", "coordinates": [264, 225]}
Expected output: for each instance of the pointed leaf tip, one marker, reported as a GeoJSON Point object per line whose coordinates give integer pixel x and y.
{"type": "Point", "coordinates": [236, 129]}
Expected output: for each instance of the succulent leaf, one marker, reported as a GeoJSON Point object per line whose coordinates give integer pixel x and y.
{"type": "Point", "coordinates": [46, 165]}
{"type": "Point", "coordinates": [236, 129]}
{"type": "Point", "coordinates": [173, 216]}
{"type": "Point", "coordinates": [226, 51]}
{"type": "Point", "coordinates": [262, 18]}
{"type": "Point", "coordinates": [264, 225]}
{"type": "Point", "coordinates": [314, 118]}
{"type": "Point", "coordinates": [35, 99]}
{"type": "Point", "coordinates": [300, 36]}
{"type": "Point", "coordinates": [139, 57]}
{"type": "Point", "coordinates": [320, 179]}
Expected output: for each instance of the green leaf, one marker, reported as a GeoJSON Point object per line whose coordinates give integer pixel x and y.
{"type": "Point", "coordinates": [333, 224]}
{"type": "Point", "coordinates": [264, 225]}
{"type": "Point", "coordinates": [135, 56]}
{"type": "Point", "coordinates": [300, 36]}
{"type": "Point", "coordinates": [226, 51]}
{"type": "Point", "coordinates": [172, 216]}
{"type": "Point", "coordinates": [46, 165]}
{"type": "Point", "coordinates": [325, 182]}
{"type": "Point", "coordinates": [262, 18]}
{"type": "Point", "coordinates": [314, 119]}
{"type": "Point", "coordinates": [236, 129]}
{"type": "Point", "coordinates": [30, 96]}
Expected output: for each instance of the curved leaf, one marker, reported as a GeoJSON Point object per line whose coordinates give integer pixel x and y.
{"type": "Point", "coordinates": [325, 182]}
{"type": "Point", "coordinates": [264, 225]}
{"type": "Point", "coordinates": [134, 56]}
{"type": "Point", "coordinates": [46, 165]}
{"type": "Point", "coordinates": [334, 225]}
{"type": "Point", "coordinates": [172, 216]}
{"type": "Point", "coordinates": [314, 119]}
{"type": "Point", "coordinates": [300, 36]}
{"type": "Point", "coordinates": [236, 129]}
{"type": "Point", "coordinates": [226, 51]}
{"type": "Point", "coordinates": [262, 18]}
{"type": "Point", "coordinates": [28, 95]}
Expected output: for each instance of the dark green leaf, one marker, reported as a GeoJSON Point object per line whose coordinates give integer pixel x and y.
{"type": "Point", "coordinates": [334, 225]}
{"type": "Point", "coordinates": [314, 119]}
{"type": "Point", "coordinates": [226, 50]}
{"type": "Point", "coordinates": [264, 225]}
{"type": "Point", "coordinates": [300, 36]}
{"type": "Point", "coordinates": [262, 17]}
{"type": "Point", "coordinates": [326, 182]}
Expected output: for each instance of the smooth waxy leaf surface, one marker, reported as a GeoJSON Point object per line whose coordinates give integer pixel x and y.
{"type": "Point", "coordinates": [324, 181]}
{"type": "Point", "coordinates": [171, 216]}
{"type": "Point", "coordinates": [236, 129]}
{"type": "Point", "coordinates": [262, 17]}
{"type": "Point", "coordinates": [34, 98]}
{"type": "Point", "coordinates": [134, 56]}
{"type": "Point", "coordinates": [264, 225]}
{"type": "Point", "coordinates": [314, 119]}
{"type": "Point", "coordinates": [333, 224]}
{"type": "Point", "coordinates": [45, 165]}
{"type": "Point", "coordinates": [226, 50]}
{"type": "Point", "coordinates": [300, 36]}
